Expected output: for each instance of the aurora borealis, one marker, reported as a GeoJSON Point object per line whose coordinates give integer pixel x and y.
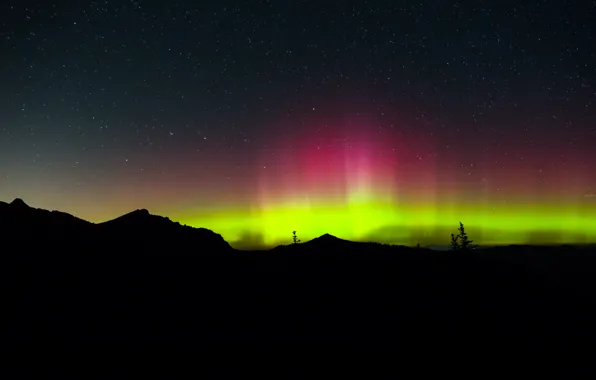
{"type": "Point", "coordinates": [373, 122]}
{"type": "Point", "coordinates": [374, 188]}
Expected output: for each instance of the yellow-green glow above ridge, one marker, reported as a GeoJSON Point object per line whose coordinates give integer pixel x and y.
{"type": "Point", "coordinates": [378, 188]}
{"type": "Point", "coordinates": [387, 223]}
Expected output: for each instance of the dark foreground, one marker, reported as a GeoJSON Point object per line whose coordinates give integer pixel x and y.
{"type": "Point", "coordinates": [99, 304]}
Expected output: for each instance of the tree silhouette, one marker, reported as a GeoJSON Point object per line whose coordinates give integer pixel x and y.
{"type": "Point", "coordinates": [461, 240]}
{"type": "Point", "coordinates": [465, 242]}
{"type": "Point", "coordinates": [454, 242]}
{"type": "Point", "coordinates": [295, 238]}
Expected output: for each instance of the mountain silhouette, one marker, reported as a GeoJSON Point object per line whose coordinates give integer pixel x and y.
{"type": "Point", "coordinates": [73, 284]}
{"type": "Point", "coordinates": [328, 241]}
{"type": "Point", "coordinates": [20, 221]}
{"type": "Point", "coordinates": [18, 202]}
{"type": "Point", "coordinates": [146, 231]}
{"type": "Point", "coordinates": [328, 244]}
{"type": "Point", "coordinates": [141, 225]}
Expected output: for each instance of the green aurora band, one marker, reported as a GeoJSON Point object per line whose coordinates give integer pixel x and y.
{"type": "Point", "coordinates": [386, 223]}
{"type": "Point", "coordinates": [370, 188]}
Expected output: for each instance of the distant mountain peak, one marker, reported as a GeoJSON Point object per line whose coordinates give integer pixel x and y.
{"type": "Point", "coordinates": [18, 202]}
{"type": "Point", "coordinates": [137, 216]}
{"type": "Point", "coordinates": [328, 239]}
{"type": "Point", "coordinates": [327, 236]}
{"type": "Point", "coordinates": [140, 212]}
{"type": "Point", "coordinates": [19, 220]}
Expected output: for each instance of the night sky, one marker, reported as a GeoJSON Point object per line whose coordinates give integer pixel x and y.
{"type": "Point", "coordinates": [371, 120]}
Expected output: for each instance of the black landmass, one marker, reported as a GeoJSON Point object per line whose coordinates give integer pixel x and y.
{"type": "Point", "coordinates": [139, 230]}
{"type": "Point", "coordinates": [143, 285]}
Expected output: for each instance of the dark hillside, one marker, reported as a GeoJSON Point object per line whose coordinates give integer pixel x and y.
{"type": "Point", "coordinates": [327, 296]}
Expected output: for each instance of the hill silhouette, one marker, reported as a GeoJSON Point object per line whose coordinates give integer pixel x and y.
{"type": "Point", "coordinates": [18, 220]}
{"type": "Point", "coordinates": [321, 243]}
{"type": "Point", "coordinates": [327, 241]}
{"type": "Point", "coordinates": [327, 296]}
{"type": "Point", "coordinates": [140, 225]}
{"type": "Point", "coordinates": [140, 228]}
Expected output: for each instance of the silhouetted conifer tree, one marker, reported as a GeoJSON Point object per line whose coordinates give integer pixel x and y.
{"type": "Point", "coordinates": [295, 238]}
{"type": "Point", "coordinates": [465, 242]}
{"type": "Point", "coordinates": [454, 242]}
{"type": "Point", "coordinates": [461, 240]}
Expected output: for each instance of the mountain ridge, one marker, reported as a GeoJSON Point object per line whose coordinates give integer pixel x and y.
{"type": "Point", "coordinates": [19, 221]}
